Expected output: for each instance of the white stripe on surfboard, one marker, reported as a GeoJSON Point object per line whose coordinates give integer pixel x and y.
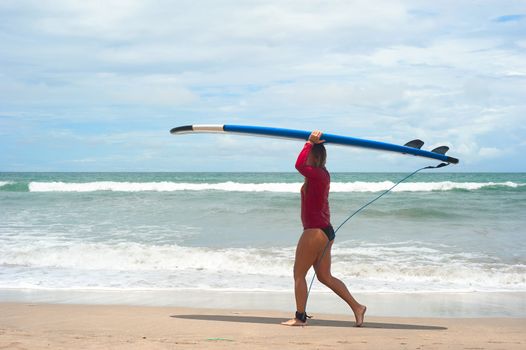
{"type": "Point", "coordinates": [207, 128]}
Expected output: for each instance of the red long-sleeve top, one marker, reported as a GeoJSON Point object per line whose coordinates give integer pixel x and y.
{"type": "Point", "coordinates": [315, 211]}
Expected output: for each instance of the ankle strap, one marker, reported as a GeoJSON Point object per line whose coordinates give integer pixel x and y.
{"type": "Point", "coordinates": [302, 316]}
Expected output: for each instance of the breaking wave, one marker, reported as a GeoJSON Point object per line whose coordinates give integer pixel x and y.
{"type": "Point", "coordinates": [358, 186]}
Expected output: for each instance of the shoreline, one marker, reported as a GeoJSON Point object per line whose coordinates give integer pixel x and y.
{"type": "Point", "coordinates": [39, 326]}
{"type": "Point", "coordinates": [414, 304]}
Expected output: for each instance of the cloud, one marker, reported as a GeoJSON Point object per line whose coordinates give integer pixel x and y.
{"type": "Point", "coordinates": [490, 152]}
{"type": "Point", "coordinates": [446, 72]}
{"type": "Point", "coordinates": [86, 19]}
{"type": "Point", "coordinates": [472, 56]}
{"type": "Point", "coordinates": [149, 89]}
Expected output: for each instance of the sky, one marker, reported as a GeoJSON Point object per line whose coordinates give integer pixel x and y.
{"type": "Point", "coordinates": [97, 85]}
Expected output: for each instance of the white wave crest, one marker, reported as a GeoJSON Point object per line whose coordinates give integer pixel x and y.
{"type": "Point", "coordinates": [374, 267]}
{"type": "Point", "coordinates": [415, 186]}
{"type": "Point", "coordinates": [358, 186]}
{"type": "Point", "coordinates": [161, 186]}
{"type": "Point", "coordinates": [141, 257]}
{"type": "Point", "coordinates": [3, 183]}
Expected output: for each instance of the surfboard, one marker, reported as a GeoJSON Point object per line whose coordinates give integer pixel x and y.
{"type": "Point", "coordinates": [412, 147]}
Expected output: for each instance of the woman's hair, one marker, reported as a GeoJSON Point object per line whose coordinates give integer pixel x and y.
{"type": "Point", "coordinates": [319, 155]}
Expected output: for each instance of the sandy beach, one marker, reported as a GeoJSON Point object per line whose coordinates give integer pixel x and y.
{"type": "Point", "coordinates": [39, 326]}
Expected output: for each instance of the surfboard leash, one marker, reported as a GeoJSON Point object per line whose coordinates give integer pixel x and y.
{"type": "Point", "coordinates": [441, 165]}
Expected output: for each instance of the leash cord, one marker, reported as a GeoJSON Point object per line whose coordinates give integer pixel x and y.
{"type": "Point", "coordinates": [359, 210]}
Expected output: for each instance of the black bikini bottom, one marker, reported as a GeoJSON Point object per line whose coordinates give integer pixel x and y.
{"type": "Point", "coordinates": [329, 232]}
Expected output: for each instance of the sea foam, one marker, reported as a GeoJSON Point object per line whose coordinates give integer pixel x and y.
{"type": "Point", "coordinates": [370, 267]}
{"type": "Point", "coordinates": [358, 186]}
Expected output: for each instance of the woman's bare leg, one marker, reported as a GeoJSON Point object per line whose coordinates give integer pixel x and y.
{"type": "Point", "coordinates": [308, 251]}
{"type": "Point", "coordinates": [323, 271]}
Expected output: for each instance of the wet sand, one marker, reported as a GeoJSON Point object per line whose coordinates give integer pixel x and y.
{"type": "Point", "coordinates": [58, 326]}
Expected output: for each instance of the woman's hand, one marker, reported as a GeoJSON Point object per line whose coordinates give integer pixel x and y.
{"type": "Point", "coordinates": [314, 137]}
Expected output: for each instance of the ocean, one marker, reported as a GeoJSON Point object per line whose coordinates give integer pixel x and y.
{"type": "Point", "coordinates": [438, 232]}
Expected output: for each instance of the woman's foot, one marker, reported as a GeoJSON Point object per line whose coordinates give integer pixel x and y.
{"type": "Point", "coordinates": [360, 315]}
{"type": "Point", "coordinates": [294, 322]}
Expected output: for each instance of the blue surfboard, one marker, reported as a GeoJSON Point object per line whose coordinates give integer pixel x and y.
{"type": "Point", "coordinates": [412, 147]}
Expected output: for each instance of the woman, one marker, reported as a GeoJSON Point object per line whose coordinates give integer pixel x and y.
{"type": "Point", "coordinates": [314, 246]}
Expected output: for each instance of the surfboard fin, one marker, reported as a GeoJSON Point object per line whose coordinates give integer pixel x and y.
{"type": "Point", "coordinates": [415, 144]}
{"type": "Point", "coordinates": [441, 150]}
